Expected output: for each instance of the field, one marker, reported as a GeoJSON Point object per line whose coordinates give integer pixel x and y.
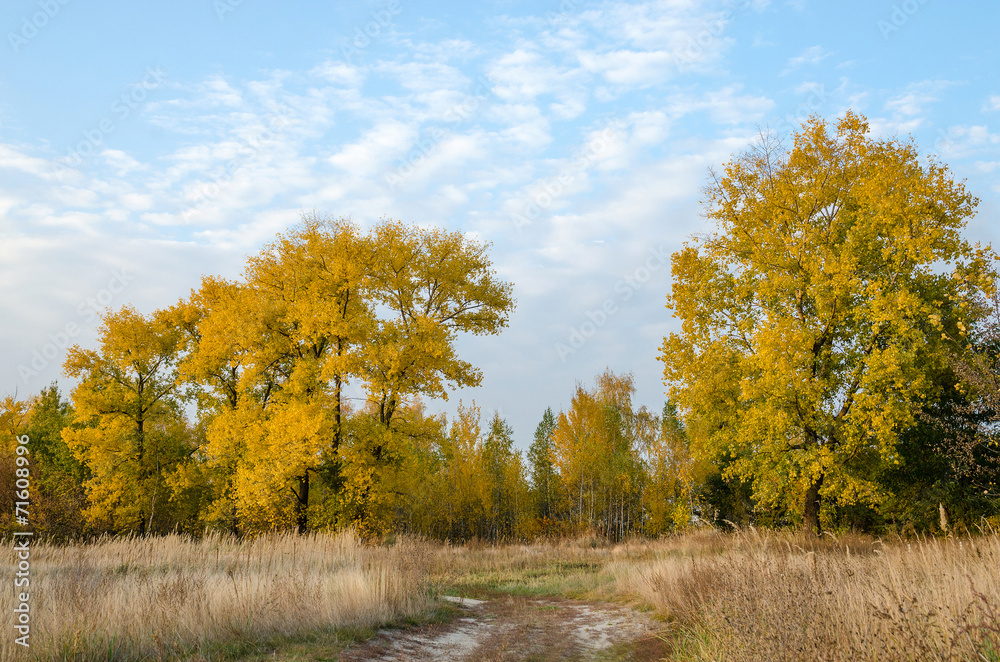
{"type": "Point", "coordinates": [703, 596]}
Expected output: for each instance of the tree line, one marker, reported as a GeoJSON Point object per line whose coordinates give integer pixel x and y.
{"type": "Point", "coordinates": [836, 365]}
{"type": "Point", "coordinates": [273, 443]}
{"type": "Point", "coordinates": [603, 466]}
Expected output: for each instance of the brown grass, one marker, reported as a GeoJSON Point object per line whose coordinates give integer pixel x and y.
{"type": "Point", "coordinates": [753, 596]}
{"type": "Point", "coordinates": [169, 598]}
{"type": "Point", "coordinates": [743, 596]}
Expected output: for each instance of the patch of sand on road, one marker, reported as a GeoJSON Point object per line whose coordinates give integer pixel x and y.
{"type": "Point", "coordinates": [515, 628]}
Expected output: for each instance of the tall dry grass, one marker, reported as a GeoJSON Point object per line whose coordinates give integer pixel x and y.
{"type": "Point", "coordinates": [753, 596]}
{"type": "Point", "coordinates": [175, 598]}
{"type": "Point", "coordinates": [743, 596]}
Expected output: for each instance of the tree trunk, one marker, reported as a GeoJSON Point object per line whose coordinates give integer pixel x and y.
{"type": "Point", "coordinates": [337, 398]}
{"type": "Point", "coordinates": [302, 504]}
{"type": "Point", "coordinates": [336, 413]}
{"type": "Point", "coordinates": [810, 520]}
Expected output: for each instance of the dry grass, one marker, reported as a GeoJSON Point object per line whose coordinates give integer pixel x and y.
{"type": "Point", "coordinates": [755, 596]}
{"type": "Point", "coordinates": [744, 596]}
{"type": "Point", "coordinates": [173, 598]}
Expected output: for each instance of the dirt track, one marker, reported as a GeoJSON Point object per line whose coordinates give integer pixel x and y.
{"type": "Point", "coordinates": [518, 628]}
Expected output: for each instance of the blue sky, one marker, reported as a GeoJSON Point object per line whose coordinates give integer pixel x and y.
{"type": "Point", "coordinates": [143, 145]}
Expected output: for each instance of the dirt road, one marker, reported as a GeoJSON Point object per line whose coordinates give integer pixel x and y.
{"type": "Point", "coordinates": [519, 628]}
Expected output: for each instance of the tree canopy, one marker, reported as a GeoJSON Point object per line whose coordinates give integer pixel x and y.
{"type": "Point", "coordinates": [266, 358]}
{"type": "Point", "coordinates": [816, 315]}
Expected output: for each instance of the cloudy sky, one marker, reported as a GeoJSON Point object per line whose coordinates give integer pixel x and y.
{"type": "Point", "coordinates": [145, 144]}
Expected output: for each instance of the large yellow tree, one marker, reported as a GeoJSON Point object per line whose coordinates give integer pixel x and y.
{"type": "Point", "coordinates": [130, 430]}
{"type": "Point", "coordinates": [427, 287]}
{"type": "Point", "coordinates": [269, 356]}
{"type": "Point", "coordinates": [432, 285]}
{"type": "Point", "coordinates": [815, 312]}
{"type": "Point", "coordinates": [322, 305]}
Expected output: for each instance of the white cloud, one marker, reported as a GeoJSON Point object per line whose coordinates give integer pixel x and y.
{"type": "Point", "coordinates": [339, 73]}
{"type": "Point", "coordinates": [915, 99]}
{"type": "Point", "coordinates": [218, 92]}
{"type": "Point", "coordinates": [810, 56]}
{"type": "Point", "coordinates": [724, 106]}
{"type": "Point", "coordinates": [628, 68]}
{"type": "Point", "coordinates": [649, 127]}
{"type": "Point", "coordinates": [374, 149]}
{"type": "Point", "coordinates": [122, 163]}
{"type": "Point", "coordinates": [524, 74]}
{"type": "Point", "coordinates": [568, 110]}
{"type": "Point", "coordinates": [12, 158]}
{"type": "Point", "coordinates": [761, 41]}
{"type": "Point", "coordinates": [962, 141]}
{"type": "Point", "coordinates": [446, 50]}
{"type": "Point", "coordinates": [423, 77]}
{"type": "Point", "coordinates": [626, 45]}
{"type": "Point", "coordinates": [908, 109]}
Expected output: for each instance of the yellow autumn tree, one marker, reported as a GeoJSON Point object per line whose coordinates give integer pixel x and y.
{"type": "Point", "coordinates": [433, 285]}
{"type": "Point", "coordinates": [415, 486]}
{"type": "Point", "coordinates": [13, 418]}
{"type": "Point", "coordinates": [597, 448]}
{"type": "Point", "coordinates": [466, 497]}
{"type": "Point", "coordinates": [672, 475]}
{"type": "Point", "coordinates": [14, 415]}
{"type": "Point", "coordinates": [814, 314]}
{"type": "Point", "coordinates": [215, 347]}
{"type": "Point", "coordinates": [384, 486]}
{"type": "Point", "coordinates": [129, 427]}
{"type": "Point", "coordinates": [428, 286]}
{"type": "Point", "coordinates": [271, 355]}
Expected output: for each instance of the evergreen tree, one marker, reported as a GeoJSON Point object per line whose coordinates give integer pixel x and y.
{"type": "Point", "coordinates": [544, 478]}
{"type": "Point", "coordinates": [59, 476]}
